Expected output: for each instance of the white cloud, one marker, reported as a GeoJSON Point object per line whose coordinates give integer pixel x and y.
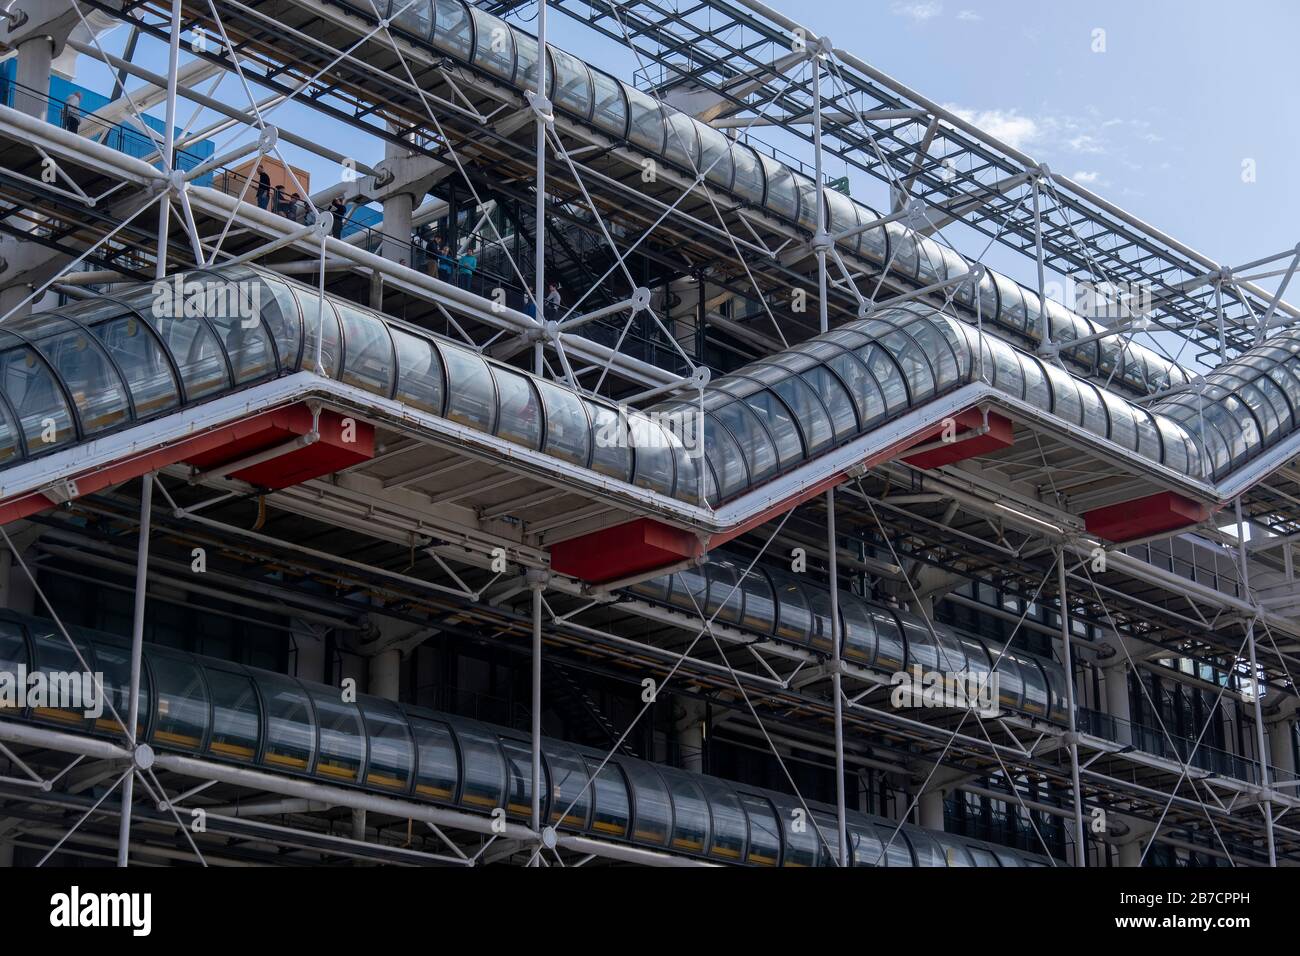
{"type": "Point", "coordinates": [917, 11]}
{"type": "Point", "coordinates": [1085, 143]}
{"type": "Point", "coordinates": [969, 15]}
{"type": "Point", "coordinates": [1012, 128]}
{"type": "Point", "coordinates": [1086, 177]}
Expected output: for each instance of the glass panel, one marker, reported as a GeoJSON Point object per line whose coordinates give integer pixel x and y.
{"type": "Point", "coordinates": [114, 662]}
{"type": "Point", "coordinates": [526, 63]}
{"type": "Point", "coordinates": [690, 590]}
{"type": "Point", "coordinates": [690, 812]}
{"type": "Point", "coordinates": [764, 831]}
{"type": "Point", "coordinates": [367, 351]}
{"type": "Point", "coordinates": [981, 856]}
{"type": "Point", "coordinates": [568, 433]}
{"type": "Point", "coordinates": [875, 242]}
{"type": "Point", "coordinates": [937, 348]}
{"type": "Point", "coordinates": [342, 737]}
{"type": "Point", "coordinates": [236, 713]}
{"type": "Point", "coordinates": [866, 394]}
{"type": "Point", "coordinates": [519, 791]}
{"type": "Point", "coordinates": [844, 416]}
{"type": "Point", "coordinates": [1065, 395]}
{"type": "Point", "coordinates": [715, 155]}
{"type": "Point", "coordinates": [782, 197]}
{"type": "Point", "coordinates": [807, 202]}
{"type": "Point", "coordinates": [683, 145]}
{"type": "Point", "coordinates": [930, 265]}
{"type": "Point", "coordinates": [612, 810]}
{"type": "Point", "coordinates": [955, 853]}
{"type": "Point", "coordinates": [760, 454]}
{"type": "Point", "coordinates": [610, 112]}
{"type": "Point", "coordinates": [611, 453]}
{"type": "Point", "coordinates": [912, 360]}
{"type": "Point", "coordinates": [290, 736]}
{"type": "Point", "coordinates": [865, 847]}
{"type": "Point", "coordinates": [419, 372]}
{"type": "Point", "coordinates": [320, 352]}
{"type": "Point", "coordinates": [451, 28]}
{"type": "Point", "coordinates": [520, 420]}
{"type": "Point", "coordinates": [725, 457]}
{"type": "Point", "coordinates": [1148, 436]}
{"type": "Point", "coordinates": [780, 425]}
{"type": "Point", "coordinates": [96, 388]}
{"type": "Point", "coordinates": [897, 850]}
{"type": "Point", "coordinates": [471, 398]}
{"type": "Point", "coordinates": [654, 455]}
{"type": "Point", "coordinates": [1011, 689]}
{"type": "Point", "coordinates": [891, 651]}
{"type": "Point", "coordinates": [921, 648]}
{"type": "Point", "coordinates": [650, 801]}
{"type": "Point", "coordinates": [8, 436]}
{"type": "Point", "coordinates": [888, 375]}
{"type": "Point", "coordinates": [142, 361]}
{"type": "Point", "coordinates": [572, 83]}
{"type": "Point", "coordinates": [13, 655]}
{"type": "Point", "coordinates": [760, 607]}
{"type": "Point", "coordinates": [730, 828]}
{"type": "Point", "coordinates": [902, 250]}
{"type": "Point", "coordinates": [749, 181]}
{"type": "Point", "coordinates": [36, 399]}
{"type": "Point", "coordinates": [1009, 376]}
{"type": "Point", "coordinates": [569, 793]}
{"type": "Point", "coordinates": [819, 602]}
{"type": "Point", "coordinates": [484, 768]}
{"type": "Point", "coordinates": [859, 643]}
{"type": "Point", "coordinates": [646, 126]}
{"type": "Point", "coordinates": [1094, 412]}
{"type": "Point", "coordinates": [802, 844]}
{"type": "Point", "coordinates": [795, 621]}
{"type": "Point", "coordinates": [1123, 429]}
{"type": "Point", "coordinates": [1037, 392]}
{"type": "Point", "coordinates": [925, 848]}
{"type": "Point", "coordinates": [53, 655]}
{"type": "Point", "coordinates": [182, 717]}
{"type": "Point", "coordinates": [438, 770]}
{"type": "Point", "coordinates": [415, 18]}
{"type": "Point", "coordinates": [1011, 312]}
{"type": "Point", "coordinates": [281, 318]}
{"type": "Point", "coordinates": [494, 45]}
{"type": "Point", "coordinates": [1035, 687]}
{"type": "Point", "coordinates": [807, 408]}
{"type": "Point", "coordinates": [725, 595]}
{"type": "Point", "coordinates": [392, 753]}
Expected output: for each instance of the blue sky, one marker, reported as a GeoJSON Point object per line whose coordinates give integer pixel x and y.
{"type": "Point", "coordinates": [1161, 122]}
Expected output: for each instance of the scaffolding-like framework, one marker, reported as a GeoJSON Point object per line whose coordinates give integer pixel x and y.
{"type": "Point", "coordinates": [425, 529]}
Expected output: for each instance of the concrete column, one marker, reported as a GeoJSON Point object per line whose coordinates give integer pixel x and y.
{"type": "Point", "coordinates": [1117, 700]}
{"type": "Point", "coordinates": [1281, 753]}
{"type": "Point", "coordinates": [35, 57]}
{"type": "Point", "coordinates": [690, 736]}
{"type": "Point", "coordinates": [386, 674]}
{"type": "Point", "coordinates": [397, 227]}
{"type": "Point", "coordinates": [931, 809]}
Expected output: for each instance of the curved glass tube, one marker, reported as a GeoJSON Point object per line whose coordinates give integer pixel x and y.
{"type": "Point", "coordinates": [761, 421]}
{"type": "Point", "coordinates": [226, 712]}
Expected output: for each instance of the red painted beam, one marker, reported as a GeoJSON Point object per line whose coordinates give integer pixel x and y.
{"type": "Point", "coordinates": [343, 442]}
{"type": "Point", "coordinates": [225, 444]}
{"type": "Point", "coordinates": [635, 547]}
{"type": "Point", "coordinates": [1155, 514]}
{"type": "Point", "coordinates": [1000, 434]}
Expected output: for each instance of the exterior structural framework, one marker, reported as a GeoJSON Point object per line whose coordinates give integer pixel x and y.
{"type": "Point", "coordinates": [591, 480]}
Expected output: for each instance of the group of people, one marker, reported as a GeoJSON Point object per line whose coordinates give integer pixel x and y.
{"type": "Point", "coordinates": [447, 265]}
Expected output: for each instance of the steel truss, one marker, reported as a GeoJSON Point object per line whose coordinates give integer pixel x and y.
{"type": "Point", "coordinates": [431, 559]}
